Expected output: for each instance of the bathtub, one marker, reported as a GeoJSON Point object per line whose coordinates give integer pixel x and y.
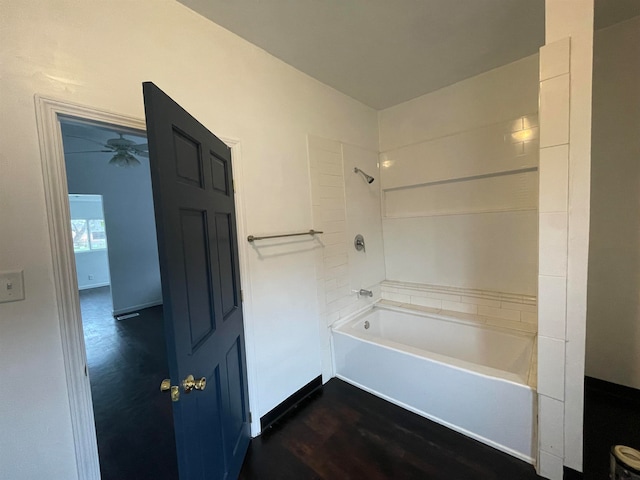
{"type": "Point", "coordinates": [464, 375]}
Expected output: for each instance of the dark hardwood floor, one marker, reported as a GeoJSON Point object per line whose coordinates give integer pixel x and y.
{"type": "Point", "coordinates": [340, 433]}
{"type": "Point", "coordinates": [127, 361]}
{"type": "Point", "coordinates": [345, 433]}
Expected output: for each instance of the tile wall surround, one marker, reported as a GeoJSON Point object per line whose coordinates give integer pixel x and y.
{"type": "Point", "coordinates": [555, 175]}
{"type": "Point", "coordinates": [489, 98]}
{"type": "Point", "coordinates": [495, 309]}
{"type": "Point", "coordinates": [499, 309]}
{"type": "Point", "coordinates": [494, 149]}
{"type": "Point", "coordinates": [492, 168]}
{"type": "Point", "coordinates": [366, 267]}
{"type": "Point", "coordinates": [336, 277]}
{"type": "Point", "coordinates": [461, 163]}
{"type": "Point", "coordinates": [405, 188]}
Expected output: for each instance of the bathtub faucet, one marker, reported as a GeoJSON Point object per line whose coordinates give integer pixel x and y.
{"type": "Point", "coordinates": [365, 293]}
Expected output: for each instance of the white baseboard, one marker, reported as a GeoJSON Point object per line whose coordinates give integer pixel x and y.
{"type": "Point", "coordinates": [94, 285]}
{"type": "Point", "coordinates": [135, 308]}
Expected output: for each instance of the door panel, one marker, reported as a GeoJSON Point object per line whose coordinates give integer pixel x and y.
{"type": "Point", "coordinates": [219, 173]}
{"type": "Point", "coordinates": [198, 284]}
{"type": "Point", "coordinates": [225, 260]}
{"type": "Point", "coordinates": [187, 155]}
{"type": "Point", "coordinates": [197, 243]}
{"type": "Point", "coordinates": [236, 414]}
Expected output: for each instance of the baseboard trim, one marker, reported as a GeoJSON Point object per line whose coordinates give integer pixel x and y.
{"type": "Point", "coordinates": [283, 408]}
{"type": "Point", "coordinates": [94, 285]}
{"type": "Point", "coordinates": [135, 308]}
{"type": "Point", "coordinates": [630, 393]}
{"type": "Point", "coordinates": [571, 474]}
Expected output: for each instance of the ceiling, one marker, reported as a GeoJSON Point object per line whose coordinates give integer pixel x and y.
{"type": "Point", "coordinates": [385, 52]}
{"type": "Point", "coordinates": [610, 12]}
{"type": "Point", "coordinates": [86, 139]}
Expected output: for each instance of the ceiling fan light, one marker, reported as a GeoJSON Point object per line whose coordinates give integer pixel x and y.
{"type": "Point", "coordinates": [132, 160]}
{"type": "Point", "coordinates": [124, 159]}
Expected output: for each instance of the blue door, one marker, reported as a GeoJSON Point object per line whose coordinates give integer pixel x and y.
{"type": "Point", "coordinates": [197, 243]}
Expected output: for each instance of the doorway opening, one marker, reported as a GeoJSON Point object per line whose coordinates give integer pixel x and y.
{"type": "Point", "coordinates": [116, 261]}
{"type": "Point", "coordinates": [50, 114]}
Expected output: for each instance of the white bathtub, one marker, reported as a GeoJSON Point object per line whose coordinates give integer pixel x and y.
{"type": "Point", "coordinates": [468, 377]}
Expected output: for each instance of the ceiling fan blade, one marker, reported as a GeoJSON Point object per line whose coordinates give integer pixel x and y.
{"type": "Point", "coordinates": [142, 154]}
{"type": "Point", "coordinates": [142, 147]}
{"type": "Point", "coordinates": [88, 140]}
{"type": "Point", "coordinates": [90, 151]}
{"type": "Point", "coordinates": [120, 142]}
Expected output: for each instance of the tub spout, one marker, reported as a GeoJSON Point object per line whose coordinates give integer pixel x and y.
{"type": "Point", "coordinates": [365, 293]}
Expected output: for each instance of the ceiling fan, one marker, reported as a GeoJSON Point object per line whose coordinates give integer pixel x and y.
{"type": "Point", "coordinates": [125, 151]}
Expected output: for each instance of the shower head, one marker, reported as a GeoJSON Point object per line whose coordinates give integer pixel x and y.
{"type": "Point", "coordinates": [368, 178]}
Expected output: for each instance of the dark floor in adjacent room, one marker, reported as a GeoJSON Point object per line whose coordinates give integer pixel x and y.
{"type": "Point", "coordinates": [612, 417]}
{"type": "Point", "coordinates": [346, 433]}
{"type": "Point", "coordinates": [127, 361]}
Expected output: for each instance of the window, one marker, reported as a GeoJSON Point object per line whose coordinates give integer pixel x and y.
{"type": "Point", "coordinates": [97, 235]}
{"type": "Point", "coordinates": [88, 234]}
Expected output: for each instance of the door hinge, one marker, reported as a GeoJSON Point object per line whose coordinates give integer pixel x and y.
{"type": "Point", "coordinates": [241, 296]}
{"type": "Point", "coordinates": [250, 418]}
{"type": "Point", "coordinates": [233, 185]}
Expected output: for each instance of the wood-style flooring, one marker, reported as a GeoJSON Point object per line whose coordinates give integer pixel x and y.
{"type": "Point", "coordinates": [346, 433]}
{"type": "Point", "coordinates": [127, 360]}
{"type": "Point", "coordinates": [340, 433]}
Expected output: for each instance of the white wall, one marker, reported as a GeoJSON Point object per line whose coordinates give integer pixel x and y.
{"type": "Point", "coordinates": [92, 267]}
{"type": "Point", "coordinates": [460, 186]}
{"type": "Point", "coordinates": [613, 304]}
{"type": "Point", "coordinates": [97, 54]}
{"type": "Point", "coordinates": [131, 227]}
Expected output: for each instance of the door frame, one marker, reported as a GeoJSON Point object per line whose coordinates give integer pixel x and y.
{"type": "Point", "coordinates": [56, 193]}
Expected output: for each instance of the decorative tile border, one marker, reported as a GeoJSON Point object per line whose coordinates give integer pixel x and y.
{"type": "Point", "coordinates": [500, 309]}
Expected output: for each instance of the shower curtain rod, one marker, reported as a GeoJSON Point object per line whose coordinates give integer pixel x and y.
{"type": "Point", "coordinates": [311, 232]}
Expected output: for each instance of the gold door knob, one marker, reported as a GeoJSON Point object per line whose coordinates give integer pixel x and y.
{"type": "Point", "coordinates": [191, 383]}
{"type": "Point", "coordinates": [175, 391]}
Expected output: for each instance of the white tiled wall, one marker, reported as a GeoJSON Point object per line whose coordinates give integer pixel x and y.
{"type": "Point", "coordinates": [565, 141]}
{"type": "Point", "coordinates": [366, 268]}
{"type": "Point", "coordinates": [554, 108]}
{"type": "Point", "coordinates": [483, 149]}
{"type": "Point", "coordinates": [343, 205]}
{"type": "Point", "coordinates": [460, 183]}
{"type": "Point", "coordinates": [491, 251]}
{"type": "Point", "coordinates": [483, 100]}
{"type": "Point", "coordinates": [506, 310]}
{"type": "Point", "coordinates": [553, 242]}
{"type": "Point", "coordinates": [552, 280]}
{"type": "Point", "coordinates": [554, 178]}
{"type": "Point", "coordinates": [517, 191]}
{"type": "Point", "coordinates": [551, 434]}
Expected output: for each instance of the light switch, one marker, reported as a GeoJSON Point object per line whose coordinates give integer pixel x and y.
{"type": "Point", "coordinates": [11, 286]}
